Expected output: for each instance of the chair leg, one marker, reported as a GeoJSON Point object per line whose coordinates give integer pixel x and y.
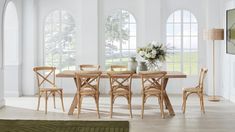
{"type": "Point", "coordinates": [46, 98]}
{"type": "Point", "coordinates": [129, 105]}
{"type": "Point", "coordinates": [39, 97]}
{"type": "Point", "coordinates": [79, 103]}
{"type": "Point", "coordinates": [61, 98]}
{"type": "Point", "coordinates": [162, 107]}
{"type": "Point", "coordinates": [53, 94]}
{"type": "Point", "coordinates": [111, 107]}
{"type": "Point", "coordinates": [142, 109]}
{"type": "Point", "coordinates": [97, 105]}
{"type": "Point", "coordinates": [202, 104]}
{"type": "Point", "coordinates": [184, 101]}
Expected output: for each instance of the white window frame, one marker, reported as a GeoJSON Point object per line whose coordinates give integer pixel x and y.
{"type": "Point", "coordinates": [129, 49]}
{"type": "Point", "coordinates": [59, 69]}
{"type": "Point", "coordinates": [182, 50]}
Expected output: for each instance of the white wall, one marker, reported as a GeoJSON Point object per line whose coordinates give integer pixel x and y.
{"type": "Point", "coordinates": [2, 102]}
{"type": "Point", "coordinates": [12, 48]}
{"type": "Point", "coordinates": [228, 60]}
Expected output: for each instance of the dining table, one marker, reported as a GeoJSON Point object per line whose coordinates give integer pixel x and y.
{"type": "Point", "coordinates": [170, 75]}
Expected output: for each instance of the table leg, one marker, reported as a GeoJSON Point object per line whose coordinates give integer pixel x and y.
{"type": "Point", "coordinates": [167, 100]}
{"type": "Point", "coordinates": [74, 103]}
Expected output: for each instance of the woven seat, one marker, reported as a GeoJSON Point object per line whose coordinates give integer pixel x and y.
{"type": "Point", "coordinates": [88, 67]}
{"type": "Point", "coordinates": [197, 90]}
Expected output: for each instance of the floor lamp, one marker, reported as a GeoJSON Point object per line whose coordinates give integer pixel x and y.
{"type": "Point", "coordinates": [214, 34]}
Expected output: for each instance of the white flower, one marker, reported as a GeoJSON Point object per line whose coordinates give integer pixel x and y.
{"type": "Point", "coordinates": [148, 55]}
{"type": "Point", "coordinates": [141, 53]}
{"type": "Point", "coordinates": [153, 56]}
{"type": "Point", "coordinates": [154, 52]}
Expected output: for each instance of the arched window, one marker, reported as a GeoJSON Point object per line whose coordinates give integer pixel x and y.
{"type": "Point", "coordinates": [182, 38]}
{"type": "Point", "coordinates": [120, 38]}
{"type": "Point", "coordinates": [60, 40]}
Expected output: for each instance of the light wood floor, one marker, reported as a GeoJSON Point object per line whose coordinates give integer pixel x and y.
{"type": "Point", "coordinates": [219, 117]}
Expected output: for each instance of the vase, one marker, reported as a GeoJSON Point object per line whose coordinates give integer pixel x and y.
{"type": "Point", "coordinates": [154, 65]}
{"type": "Point", "coordinates": [132, 64]}
{"type": "Point", "coordinates": [141, 67]}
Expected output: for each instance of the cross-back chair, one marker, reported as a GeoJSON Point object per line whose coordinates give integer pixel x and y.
{"type": "Point", "coordinates": [118, 68]}
{"type": "Point", "coordinates": [88, 85]}
{"type": "Point", "coordinates": [120, 84]}
{"type": "Point", "coordinates": [199, 89]}
{"type": "Point", "coordinates": [46, 85]}
{"type": "Point", "coordinates": [89, 67]}
{"type": "Point", "coordinates": [152, 85]}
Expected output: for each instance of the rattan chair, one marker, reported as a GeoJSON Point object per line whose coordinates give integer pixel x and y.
{"type": "Point", "coordinates": [46, 85]}
{"type": "Point", "coordinates": [199, 89]}
{"type": "Point", "coordinates": [88, 85]}
{"type": "Point", "coordinates": [152, 85]}
{"type": "Point", "coordinates": [89, 67]}
{"type": "Point", "coordinates": [120, 83]}
{"type": "Point", "coordinates": [118, 68]}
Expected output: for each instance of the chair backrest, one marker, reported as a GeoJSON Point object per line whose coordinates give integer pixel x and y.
{"type": "Point", "coordinates": [45, 76]}
{"type": "Point", "coordinates": [118, 68]}
{"type": "Point", "coordinates": [88, 80]}
{"type": "Point", "coordinates": [152, 79]}
{"type": "Point", "coordinates": [89, 67]}
{"type": "Point", "coordinates": [120, 80]}
{"type": "Point", "coordinates": [202, 76]}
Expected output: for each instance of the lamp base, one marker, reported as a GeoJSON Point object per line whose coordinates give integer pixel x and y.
{"type": "Point", "coordinates": [214, 98]}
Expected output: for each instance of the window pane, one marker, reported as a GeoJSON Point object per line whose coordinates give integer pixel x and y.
{"type": "Point", "coordinates": [170, 18]}
{"type": "Point", "coordinates": [177, 42]}
{"type": "Point", "coordinates": [186, 16]}
{"type": "Point", "coordinates": [177, 16]}
{"type": "Point", "coordinates": [177, 29]}
{"type": "Point", "coordinates": [132, 29]}
{"type": "Point", "coordinates": [177, 67]}
{"type": "Point", "coordinates": [132, 42]}
{"type": "Point", "coordinates": [194, 68]}
{"type": "Point", "coordinates": [170, 29]}
{"type": "Point", "coordinates": [186, 56]}
{"type": "Point", "coordinates": [194, 42]}
{"type": "Point", "coordinates": [194, 29]}
{"type": "Point", "coordinates": [170, 67]}
{"type": "Point", "coordinates": [170, 57]}
{"type": "Point", "coordinates": [177, 56]}
{"type": "Point", "coordinates": [170, 42]}
{"type": "Point", "coordinates": [186, 43]}
{"type": "Point", "coordinates": [193, 19]}
{"type": "Point", "coordinates": [186, 29]}
{"type": "Point", "coordinates": [194, 56]}
{"type": "Point", "coordinates": [187, 68]}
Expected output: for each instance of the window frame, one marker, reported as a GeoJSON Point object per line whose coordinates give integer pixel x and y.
{"type": "Point", "coordinates": [121, 49]}
{"type": "Point", "coordinates": [61, 54]}
{"type": "Point", "coordinates": [182, 36]}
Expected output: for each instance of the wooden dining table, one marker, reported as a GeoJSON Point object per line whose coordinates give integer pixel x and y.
{"type": "Point", "coordinates": [167, 102]}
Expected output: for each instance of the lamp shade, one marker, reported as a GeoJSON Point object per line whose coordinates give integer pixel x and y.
{"type": "Point", "coordinates": [214, 34]}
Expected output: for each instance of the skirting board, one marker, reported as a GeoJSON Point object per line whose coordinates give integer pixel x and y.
{"type": "Point", "coordinates": [2, 103]}
{"type": "Point", "coordinates": [12, 94]}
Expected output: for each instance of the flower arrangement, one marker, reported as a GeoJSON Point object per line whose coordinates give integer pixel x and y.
{"type": "Point", "coordinates": [154, 51]}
